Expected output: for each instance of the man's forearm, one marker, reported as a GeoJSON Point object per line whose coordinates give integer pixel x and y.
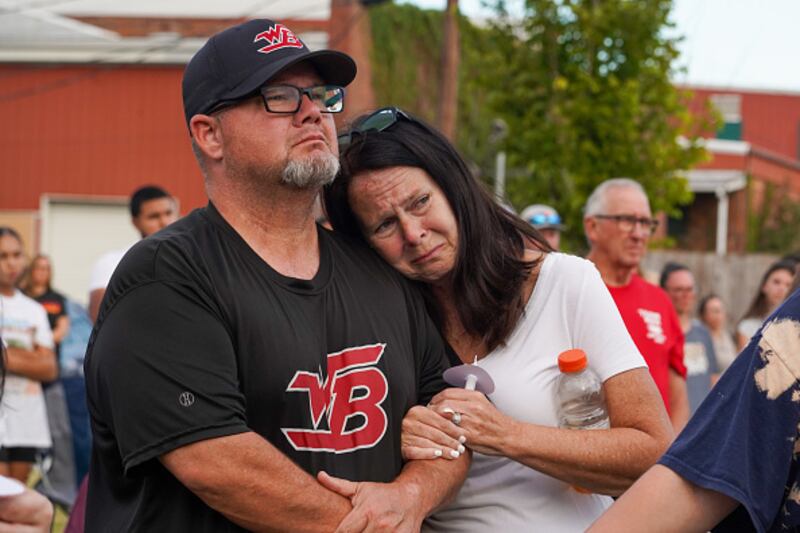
{"type": "Point", "coordinates": [435, 481]}
{"type": "Point", "coordinates": [254, 485]}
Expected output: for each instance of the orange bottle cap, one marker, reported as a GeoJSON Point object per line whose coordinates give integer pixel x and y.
{"type": "Point", "coordinates": [572, 360]}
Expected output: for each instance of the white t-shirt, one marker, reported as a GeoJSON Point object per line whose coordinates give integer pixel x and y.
{"type": "Point", "coordinates": [23, 324]}
{"type": "Point", "coordinates": [570, 308]}
{"type": "Point", "coordinates": [103, 269]}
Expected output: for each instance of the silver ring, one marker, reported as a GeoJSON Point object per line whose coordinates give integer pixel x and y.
{"type": "Point", "coordinates": [457, 419]}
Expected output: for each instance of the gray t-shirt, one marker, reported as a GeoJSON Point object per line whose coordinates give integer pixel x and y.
{"type": "Point", "coordinates": [700, 361]}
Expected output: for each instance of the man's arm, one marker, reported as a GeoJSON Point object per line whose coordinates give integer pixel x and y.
{"type": "Point", "coordinates": [38, 364]}
{"type": "Point", "coordinates": [678, 401]}
{"type": "Point", "coordinates": [95, 299]}
{"type": "Point", "coordinates": [400, 506]}
{"type": "Point", "coordinates": [644, 506]}
{"type": "Point", "coordinates": [254, 485]}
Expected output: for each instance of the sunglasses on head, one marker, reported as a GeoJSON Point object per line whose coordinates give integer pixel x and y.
{"type": "Point", "coordinates": [377, 121]}
{"type": "Point", "coordinates": [540, 219]}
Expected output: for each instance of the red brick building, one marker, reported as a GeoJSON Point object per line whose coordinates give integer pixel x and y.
{"type": "Point", "coordinates": [754, 156]}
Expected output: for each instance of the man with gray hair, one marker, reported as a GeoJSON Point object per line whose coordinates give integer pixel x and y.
{"type": "Point", "coordinates": [618, 225]}
{"type": "Point", "coordinates": [244, 356]}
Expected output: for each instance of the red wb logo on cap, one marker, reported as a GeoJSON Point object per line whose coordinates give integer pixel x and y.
{"type": "Point", "coordinates": [278, 36]}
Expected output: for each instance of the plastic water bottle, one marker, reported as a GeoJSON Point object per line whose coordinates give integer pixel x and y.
{"type": "Point", "coordinates": [579, 394]}
{"type": "Point", "coordinates": [579, 397]}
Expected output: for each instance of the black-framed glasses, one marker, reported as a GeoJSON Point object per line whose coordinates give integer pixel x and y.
{"type": "Point", "coordinates": [628, 222]}
{"type": "Point", "coordinates": [287, 99]}
{"type": "Point", "coordinates": [376, 121]}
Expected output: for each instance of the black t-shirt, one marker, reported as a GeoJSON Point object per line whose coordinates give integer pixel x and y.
{"type": "Point", "coordinates": [56, 306]}
{"type": "Point", "coordinates": [199, 338]}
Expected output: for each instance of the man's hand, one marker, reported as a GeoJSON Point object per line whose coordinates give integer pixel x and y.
{"type": "Point", "coordinates": [376, 506]}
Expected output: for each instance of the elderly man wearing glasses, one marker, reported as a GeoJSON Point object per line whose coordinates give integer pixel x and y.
{"type": "Point", "coordinates": [244, 353]}
{"type": "Point", "coordinates": [618, 225]}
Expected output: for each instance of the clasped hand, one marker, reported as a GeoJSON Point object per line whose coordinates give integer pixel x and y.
{"type": "Point", "coordinates": [430, 432]}
{"type": "Point", "coordinates": [376, 506]}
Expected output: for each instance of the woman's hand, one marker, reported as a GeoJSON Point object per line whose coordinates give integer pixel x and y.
{"type": "Point", "coordinates": [480, 422]}
{"type": "Point", "coordinates": [428, 435]}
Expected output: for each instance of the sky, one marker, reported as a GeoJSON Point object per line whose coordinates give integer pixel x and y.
{"type": "Point", "coordinates": [746, 44]}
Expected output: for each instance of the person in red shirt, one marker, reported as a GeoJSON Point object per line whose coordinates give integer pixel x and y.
{"type": "Point", "coordinates": [618, 224]}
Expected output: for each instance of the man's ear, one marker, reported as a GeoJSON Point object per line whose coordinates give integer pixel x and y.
{"type": "Point", "coordinates": [590, 228]}
{"type": "Point", "coordinates": [207, 134]}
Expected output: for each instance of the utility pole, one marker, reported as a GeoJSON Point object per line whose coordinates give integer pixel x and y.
{"type": "Point", "coordinates": [448, 99]}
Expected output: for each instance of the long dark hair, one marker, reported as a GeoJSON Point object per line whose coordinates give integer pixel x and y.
{"type": "Point", "coordinates": [759, 308]}
{"type": "Point", "coordinates": [490, 269]}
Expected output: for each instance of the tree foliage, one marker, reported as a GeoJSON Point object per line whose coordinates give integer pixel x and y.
{"type": "Point", "coordinates": [583, 85]}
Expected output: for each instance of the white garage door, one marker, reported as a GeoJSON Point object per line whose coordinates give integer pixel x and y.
{"type": "Point", "coordinates": [76, 232]}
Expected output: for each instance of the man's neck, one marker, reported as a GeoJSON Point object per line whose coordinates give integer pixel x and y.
{"type": "Point", "coordinates": [686, 321]}
{"type": "Point", "coordinates": [613, 275]}
{"type": "Point", "coordinates": [279, 226]}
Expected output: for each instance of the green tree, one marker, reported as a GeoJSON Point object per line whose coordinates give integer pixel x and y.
{"type": "Point", "coordinates": [587, 95]}
{"type": "Point", "coordinates": [584, 86]}
{"type": "Point", "coordinates": [406, 71]}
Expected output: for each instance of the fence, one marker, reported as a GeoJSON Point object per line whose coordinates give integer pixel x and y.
{"type": "Point", "coordinates": [735, 278]}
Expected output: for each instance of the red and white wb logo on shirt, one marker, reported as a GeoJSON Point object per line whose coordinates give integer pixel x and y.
{"type": "Point", "coordinates": [354, 387]}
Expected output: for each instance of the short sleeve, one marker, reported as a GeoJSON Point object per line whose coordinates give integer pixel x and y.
{"type": "Point", "coordinates": [103, 269]}
{"type": "Point", "coordinates": [676, 359]}
{"type": "Point", "coordinates": [43, 335]}
{"type": "Point", "coordinates": [598, 327]}
{"type": "Point", "coordinates": [162, 373]}
{"type": "Point", "coordinates": [742, 439]}
{"type": "Point", "coordinates": [430, 352]}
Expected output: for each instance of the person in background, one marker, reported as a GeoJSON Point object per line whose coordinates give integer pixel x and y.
{"type": "Point", "coordinates": [735, 466]}
{"type": "Point", "coordinates": [22, 510]}
{"type": "Point", "coordinates": [58, 482]}
{"type": "Point", "coordinates": [37, 285]}
{"type": "Point", "coordinates": [618, 224]}
{"type": "Point", "coordinates": [547, 221]}
{"type": "Point", "coordinates": [152, 209]}
{"type": "Point", "coordinates": [30, 361]}
{"type": "Point", "coordinates": [502, 297]}
{"type": "Point", "coordinates": [714, 316]}
{"type": "Point", "coordinates": [699, 356]}
{"type": "Point", "coordinates": [772, 290]}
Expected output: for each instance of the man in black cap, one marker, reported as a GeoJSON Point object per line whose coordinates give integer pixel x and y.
{"type": "Point", "coordinates": [244, 349]}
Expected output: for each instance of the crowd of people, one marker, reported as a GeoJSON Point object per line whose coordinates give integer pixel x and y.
{"type": "Point", "coordinates": [245, 353]}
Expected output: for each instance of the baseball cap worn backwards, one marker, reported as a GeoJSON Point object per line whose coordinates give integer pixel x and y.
{"type": "Point", "coordinates": [236, 62]}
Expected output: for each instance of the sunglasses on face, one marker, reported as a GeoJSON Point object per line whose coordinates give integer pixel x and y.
{"type": "Point", "coordinates": [378, 121]}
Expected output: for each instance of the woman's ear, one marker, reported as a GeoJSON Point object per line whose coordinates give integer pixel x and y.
{"type": "Point", "coordinates": [207, 134]}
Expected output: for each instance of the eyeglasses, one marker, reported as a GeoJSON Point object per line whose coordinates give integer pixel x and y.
{"type": "Point", "coordinates": [287, 99]}
{"type": "Point", "coordinates": [377, 121]}
{"type": "Point", "coordinates": [628, 222]}
{"type": "Point", "coordinates": [540, 219]}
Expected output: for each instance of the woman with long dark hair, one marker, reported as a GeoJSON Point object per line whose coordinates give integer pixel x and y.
{"type": "Point", "coordinates": [773, 289]}
{"type": "Point", "coordinates": [500, 296]}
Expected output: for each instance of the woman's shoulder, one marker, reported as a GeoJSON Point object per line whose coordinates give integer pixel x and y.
{"type": "Point", "coordinates": [561, 264]}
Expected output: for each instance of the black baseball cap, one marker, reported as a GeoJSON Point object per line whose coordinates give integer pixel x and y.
{"type": "Point", "coordinates": [235, 62]}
